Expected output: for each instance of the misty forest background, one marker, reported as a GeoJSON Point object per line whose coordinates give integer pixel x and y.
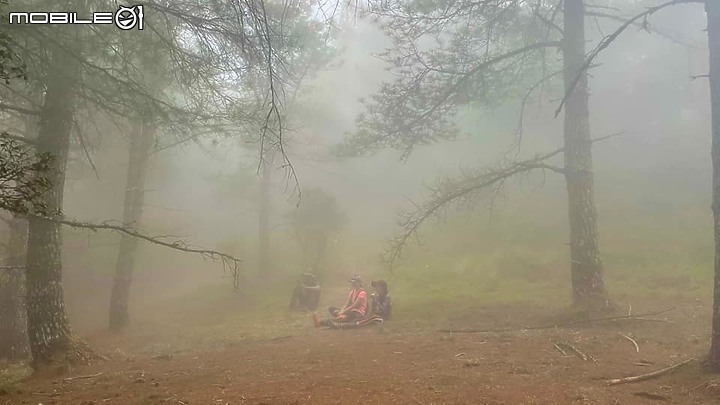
{"type": "Point", "coordinates": [218, 179]}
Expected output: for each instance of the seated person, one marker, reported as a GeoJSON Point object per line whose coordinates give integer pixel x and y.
{"type": "Point", "coordinates": [381, 304]}
{"type": "Point", "coordinates": [306, 294]}
{"type": "Point", "coordinates": [353, 310]}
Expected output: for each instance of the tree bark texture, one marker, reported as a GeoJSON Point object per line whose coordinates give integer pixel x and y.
{"type": "Point", "coordinates": [48, 327]}
{"type": "Point", "coordinates": [13, 315]}
{"type": "Point", "coordinates": [712, 8]}
{"type": "Point", "coordinates": [586, 266]}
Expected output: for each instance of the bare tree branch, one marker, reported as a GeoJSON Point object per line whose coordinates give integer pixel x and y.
{"type": "Point", "coordinates": [548, 22]}
{"type": "Point", "coordinates": [523, 104]}
{"type": "Point", "coordinates": [449, 191]}
{"type": "Point", "coordinates": [544, 166]}
{"type": "Point", "coordinates": [177, 245]}
{"type": "Point", "coordinates": [601, 7]}
{"type": "Point", "coordinates": [81, 138]}
{"type": "Point", "coordinates": [229, 262]}
{"type": "Point", "coordinates": [662, 33]}
{"type": "Point", "coordinates": [605, 42]}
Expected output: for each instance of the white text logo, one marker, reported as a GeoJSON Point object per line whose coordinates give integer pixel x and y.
{"type": "Point", "coordinates": [125, 18]}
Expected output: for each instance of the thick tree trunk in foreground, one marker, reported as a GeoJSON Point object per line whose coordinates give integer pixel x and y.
{"type": "Point", "coordinates": [587, 275]}
{"type": "Point", "coordinates": [13, 312]}
{"type": "Point", "coordinates": [48, 328]}
{"type": "Point", "coordinates": [264, 264]}
{"type": "Point", "coordinates": [13, 316]}
{"type": "Point", "coordinates": [141, 141]}
{"type": "Point", "coordinates": [712, 8]}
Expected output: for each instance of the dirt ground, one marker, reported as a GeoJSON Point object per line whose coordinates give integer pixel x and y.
{"type": "Point", "coordinates": [403, 365]}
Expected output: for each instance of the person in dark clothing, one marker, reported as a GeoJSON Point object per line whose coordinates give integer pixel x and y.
{"type": "Point", "coordinates": [306, 294]}
{"type": "Point", "coordinates": [382, 305]}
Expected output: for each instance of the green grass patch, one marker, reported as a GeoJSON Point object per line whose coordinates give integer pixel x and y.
{"type": "Point", "coordinates": [466, 266]}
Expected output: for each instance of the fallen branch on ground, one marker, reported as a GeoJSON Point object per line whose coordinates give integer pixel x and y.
{"type": "Point", "coordinates": [82, 377]}
{"type": "Point", "coordinates": [653, 320]}
{"type": "Point", "coordinates": [648, 376]}
{"type": "Point", "coordinates": [47, 394]}
{"type": "Point", "coordinates": [574, 349]}
{"type": "Point", "coordinates": [637, 348]}
{"type": "Point", "coordinates": [562, 325]}
{"type": "Point", "coordinates": [710, 385]}
{"type": "Point", "coordinates": [560, 349]}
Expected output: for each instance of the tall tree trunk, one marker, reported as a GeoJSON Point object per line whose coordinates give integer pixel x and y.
{"type": "Point", "coordinates": [264, 264]}
{"type": "Point", "coordinates": [587, 274]}
{"type": "Point", "coordinates": [13, 316]}
{"type": "Point", "coordinates": [48, 328]}
{"type": "Point", "coordinates": [13, 312]}
{"type": "Point", "coordinates": [712, 8]}
{"type": "Point", "coordinates": [142, 137]}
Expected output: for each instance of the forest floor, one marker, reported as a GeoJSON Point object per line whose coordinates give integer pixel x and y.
{"type": "Point", "coordinates": [399, 362]}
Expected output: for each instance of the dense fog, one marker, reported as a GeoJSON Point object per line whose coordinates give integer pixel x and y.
{"type": "Point", "coordinates": [197, 170]}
